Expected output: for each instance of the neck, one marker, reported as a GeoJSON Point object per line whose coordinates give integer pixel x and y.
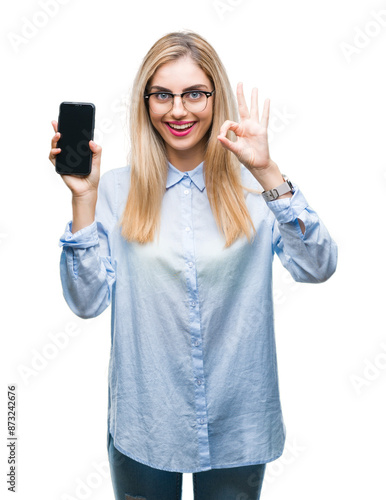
{"type": "Point", "coordinates": [187, 159]}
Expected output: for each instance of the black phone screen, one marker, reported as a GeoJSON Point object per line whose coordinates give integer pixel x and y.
{"type": "Point", "coordinates": [76, 126]}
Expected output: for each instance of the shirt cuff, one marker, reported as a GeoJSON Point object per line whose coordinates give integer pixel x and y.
{"type": "Point", "coordinates": [288, 209]}
{"type": "Point", "coordinates": [84, 238]}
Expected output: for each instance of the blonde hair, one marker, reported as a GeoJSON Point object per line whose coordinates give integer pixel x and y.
{"type": "Point", "coordinates": [140, 219]}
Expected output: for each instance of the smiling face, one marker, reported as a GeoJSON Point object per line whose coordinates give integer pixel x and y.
{"type": "Point", "coordinates": [185, 149]}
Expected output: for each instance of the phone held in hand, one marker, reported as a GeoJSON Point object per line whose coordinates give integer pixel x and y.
{"type": "Point", "coordinates": [76, 126]}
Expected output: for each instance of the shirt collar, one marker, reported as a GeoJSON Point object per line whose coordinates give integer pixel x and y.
{"type": "Point", "coordinates": [197, 176]}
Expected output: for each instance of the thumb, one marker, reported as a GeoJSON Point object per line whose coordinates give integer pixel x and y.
{"type": "Point", "coordinates": [226, 143]}
{"type": "Point", "coordinates": [96, 150]}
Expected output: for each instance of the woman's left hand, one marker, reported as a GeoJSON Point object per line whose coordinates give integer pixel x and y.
{"type": "Point", "coordinates": [251, 147]}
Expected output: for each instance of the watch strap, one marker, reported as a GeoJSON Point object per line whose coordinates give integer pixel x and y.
{"type": "Point", "coordinates": [273, 194]}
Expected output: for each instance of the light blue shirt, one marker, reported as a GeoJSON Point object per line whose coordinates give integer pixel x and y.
{"type": "Point", "coordinates": [193, 380]}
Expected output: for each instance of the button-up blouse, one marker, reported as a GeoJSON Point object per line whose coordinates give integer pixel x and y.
{"type": "Point", "coordinates": [193, 380]}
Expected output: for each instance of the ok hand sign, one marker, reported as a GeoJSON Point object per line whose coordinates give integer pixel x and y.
{"type": "Point", "coordinates": [251, 147]}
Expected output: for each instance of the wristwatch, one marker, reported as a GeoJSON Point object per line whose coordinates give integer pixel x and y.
{"type": "Point", "coordinates": [274, 193]}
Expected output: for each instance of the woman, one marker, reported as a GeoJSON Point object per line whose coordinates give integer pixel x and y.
{"type": "Point", "coordinates": [181, 243]}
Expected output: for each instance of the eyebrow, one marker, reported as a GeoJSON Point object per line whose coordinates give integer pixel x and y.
{"type": "Point", "coordinates": [192, 87]}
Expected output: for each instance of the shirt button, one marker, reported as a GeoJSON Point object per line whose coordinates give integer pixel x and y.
{"type": "Point", "coordinates": [197, 342]}
{"type": "Point", "coordinates": [193, 303]}
{"type": "Point", "coordinates": [202, 421]}
{"type": "Point", "coordinates": [190, 264]}
{"type": "Point", "coordinates": [186, 191]}
{"type": "Point", "coordinates": [199, 382]}
{"type": "Point", "coordinates": [187, 229]}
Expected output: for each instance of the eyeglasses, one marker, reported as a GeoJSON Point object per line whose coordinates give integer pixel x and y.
{"type": "Point", "coordinates": [194, 101]}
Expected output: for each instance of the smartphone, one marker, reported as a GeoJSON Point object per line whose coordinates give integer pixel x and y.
{"type": "Point", "coordinates": [76, 124]}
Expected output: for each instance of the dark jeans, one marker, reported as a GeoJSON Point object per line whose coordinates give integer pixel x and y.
{"type": "Point", "coordinates": [133, 480]}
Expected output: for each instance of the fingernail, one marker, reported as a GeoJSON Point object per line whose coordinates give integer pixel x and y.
{"type": "Point", "coordinates": [93, 143]}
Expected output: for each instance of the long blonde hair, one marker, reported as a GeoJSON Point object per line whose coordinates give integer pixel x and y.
{"type": "Point", "coordinates": [140, 219]}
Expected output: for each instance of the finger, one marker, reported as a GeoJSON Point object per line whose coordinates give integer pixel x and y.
{"type": "Point", "coordinates": [265, 117]}
{"type": "Point", "coordinates": [226, 143]}
{"type": "Point", "coordinates": [255, 105]}
{"type": "Point", "coordinates": [55, 139]}
{"type": "Point", "coordinates": [243, 108]}
{"type": "Point", "coordinates": [55, 125]}
{"type": "Point", "coordinates": [96, 150]}
{"type": "Point", "coordinates": [94, 147]}
{"type": "Point", "coordinates": [53, 153]}
{"type": "Point", "coordinates": [229, 125]}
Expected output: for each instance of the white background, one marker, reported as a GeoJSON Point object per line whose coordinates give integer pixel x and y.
{"type": "Point", "coordinates": [322, 66]}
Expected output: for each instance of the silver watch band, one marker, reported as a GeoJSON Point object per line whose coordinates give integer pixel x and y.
{"type": "Point", "coordinates": [274, 193]}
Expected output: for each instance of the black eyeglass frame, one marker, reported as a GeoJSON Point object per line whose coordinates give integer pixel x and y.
{"type": "Point", "coordinates": [208, 94]}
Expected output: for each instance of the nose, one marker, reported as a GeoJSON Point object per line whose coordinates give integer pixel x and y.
{"type": "Point", "coordinates": [178, 110]}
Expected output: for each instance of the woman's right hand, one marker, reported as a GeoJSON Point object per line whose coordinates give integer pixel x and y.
{"type": "Point", "coordinates": [81, 187]}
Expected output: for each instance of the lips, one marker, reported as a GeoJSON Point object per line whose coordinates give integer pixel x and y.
{"type": "Point", "coordinates": [180, 132]}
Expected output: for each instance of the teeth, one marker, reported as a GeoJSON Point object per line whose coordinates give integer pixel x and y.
{"type": "Point", "coordinates": [180, 127]}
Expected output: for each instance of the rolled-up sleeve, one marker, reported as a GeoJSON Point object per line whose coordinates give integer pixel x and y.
{"type": "Point", "coordinates": [310, 257]}
{"type": "Point", "coordinates": [86, 270]}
